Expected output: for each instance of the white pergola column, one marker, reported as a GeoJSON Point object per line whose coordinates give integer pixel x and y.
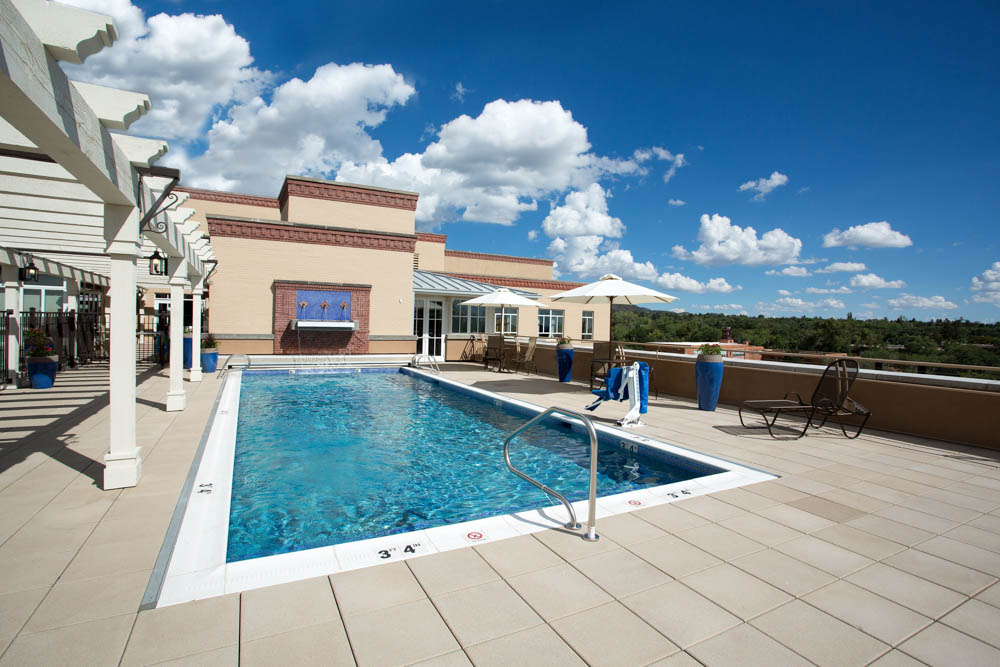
{"type": "Point", "coordinates": [123, 462]}
{"type": "Point", "coordinates": [196, 291]}
{"type": "Point", "coordinates": [12, 301]}
{"type": "Point", "coordinates": [72, 295]}
{"type": "Point", "coordinates": [177, 270]}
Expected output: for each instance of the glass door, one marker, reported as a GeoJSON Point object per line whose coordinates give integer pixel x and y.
{"type": "Point", "coordinates": [428, 327]}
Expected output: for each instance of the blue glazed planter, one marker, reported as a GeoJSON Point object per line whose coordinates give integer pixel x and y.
{"type": "Point", "coordinates": [708, 378]}
{"type": "Point", "coordinates": [564, 360]}
{"type": "Point", "coordinates": [209, 361]}
{"type": "Point", "coordinates": [42, 371]}
{"type": "Point", "coordinates": [187, 352]}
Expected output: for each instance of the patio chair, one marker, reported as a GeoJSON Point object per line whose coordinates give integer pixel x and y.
{"type": "Point", "coordinates": [830, 399]}
{"type": "Point", "coordinates": [526, 358]}
{"type": "Point", "coordinates": [493, 351]}
{"type": "Point", "coordinates": [604, 360]}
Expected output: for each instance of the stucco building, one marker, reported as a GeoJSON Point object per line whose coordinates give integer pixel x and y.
{"type": "Point", "coordinates": [338, 268]}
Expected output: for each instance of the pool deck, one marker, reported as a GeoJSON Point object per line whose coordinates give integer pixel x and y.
{"type": "Point", "coordinates": [883, 550]}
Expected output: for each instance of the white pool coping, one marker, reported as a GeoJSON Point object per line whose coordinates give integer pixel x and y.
{"type": "Point", "coordinates": [198, 567]}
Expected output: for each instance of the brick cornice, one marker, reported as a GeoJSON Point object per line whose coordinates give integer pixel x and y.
{"type": "Point", "coordinates": [515, 282]}
{"type": "Point", "coordinates": [346, 192]}
{"type": "Point", "coordinates": [229, 197]}
{"type": "Point", "coordinates": [263, 230]}
{"type": "Point", "coordinates": [497, 258]}
{"type": "Point", "coordinates": [432, 238]}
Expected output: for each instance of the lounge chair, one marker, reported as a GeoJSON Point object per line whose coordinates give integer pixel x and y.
{"type": "Point", "coordinates": [604, 360]}
{"type": "Point", "coordinates": [830, 399]}
{"type": "Point", "coordinates": [526, 358]}
{"type": "Point", "coordinates": [493, 351]}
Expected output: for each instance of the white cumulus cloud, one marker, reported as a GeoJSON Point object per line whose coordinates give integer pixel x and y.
{"type": "Point", "coordinates": [870, 235]}
{"type": "Point", "coordinates": [872, 281]}
{"type": "Point", "coordinates": [725, 243]}
{"type": "Point", "coordinates": [676, 202]}
{"type": "Point", "coordinates": [987, 285]}
{"type": "Point", "coordinates": [676, 161]}
{"type": "Point", "coordinates": [763, 186]}
{"type": "Point", "coordinates": [460, 92]}
{"type": "Point", "coordinates": [584, 213]}
{"type": "Point", "coordinates": [829, 290]}
{"type": "Point", "coordinates": [923, 302]}
{"type": "Point", "coordinates": [794, 304]}
{"type": "Point", "coordinates": [792, 271]}
{"type": "Point", "coordinates": [676, 281]}
{"type": "Point", "coordinates": [533, 234]}
{"type": "Point", "coordinates": [852, 267]}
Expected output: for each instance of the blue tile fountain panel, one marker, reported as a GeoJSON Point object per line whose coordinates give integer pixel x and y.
{"type": "Point", "coordinates": [323, 305]}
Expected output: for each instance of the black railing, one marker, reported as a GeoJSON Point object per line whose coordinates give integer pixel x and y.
{"type": "Point", "coordinates": [4, 324]}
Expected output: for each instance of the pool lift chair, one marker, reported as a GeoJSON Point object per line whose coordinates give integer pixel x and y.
{"type": "Point", "coordinates": [829, 399]}
{"type": "Point", "coordinates": [625, 382]}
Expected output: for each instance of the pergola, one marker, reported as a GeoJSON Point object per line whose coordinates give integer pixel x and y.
{"type": "Point", "coordinates": [88, 205]}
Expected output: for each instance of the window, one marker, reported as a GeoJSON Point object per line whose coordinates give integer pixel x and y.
{"type": "Point", "coordinates": [587, 326]}
{"type": "Point", "coordinates": [509, 323]}
{"type": "Point", "coordinates": [467, 319]}
{"type": "Point", "coordinates": [550, 322]}
{"type": "Point", "coordinates": [47, 294]}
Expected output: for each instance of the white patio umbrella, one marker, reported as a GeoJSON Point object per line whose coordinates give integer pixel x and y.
{"type": "Point", "coordinates": [609, 288]}
{"type": "Point", "coordinates": [502, 297]}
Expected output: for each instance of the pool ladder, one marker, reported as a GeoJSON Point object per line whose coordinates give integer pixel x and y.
{"type": "Point", "coordinates": [591, 534]}
{"type": "Point", "coordinates": [420, 359]}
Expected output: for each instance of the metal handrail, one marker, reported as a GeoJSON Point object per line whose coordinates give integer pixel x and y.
{"type": "Point", "coordinates": [591, 534]}
{"type": "Point", "coordinates": [419, 358]}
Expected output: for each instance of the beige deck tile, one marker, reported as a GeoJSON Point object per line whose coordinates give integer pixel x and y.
{"type": "Point", "coordinates": [991, 595]}
{"type": "Point", "coordinates": [776, 492]}
{"type": "Point", "coordinates": [962, 500]}
{"type": "Point", "coordinates": [674, 556]}
{"type": "Point", "coordinates": [620, 572]}
{"type": "Point", "coordinates": [746, 646]}
{"type": "Point", "coordinates": [908, 590]}
{"type": "Point", "coordinates": [784, 572]}
{"type": "Point", "coordinates": [220, 657]}
{"type": "Point", "coordinates": [626, 529]}
{"type": "Point", "coordinates": [570, 545]}
{"type": "Point", "coordinates": [891, 530]}
{"type": "Point", "coordinates": [96, 643]}
{"type": "Point", "coordinates": [818, 636]}
{"type": "Point", "coordinates": [89, 600]}
{"type": "Point", "coordinates": [539, 645]}
{"type": "Point", "coordinates": [940, 571]}
{"type": "Point", "coordinates": [927, 479]}
{"type": "Point", "coordinates": [793, 517]}
{"type": "Point", "coordinates": [881, 492]}
{"type": "Point", "coordinates": [376, 587]}
{"type": "Point", "coordinates": [451, 570]}
{"type": "Point", "coordinates": [978, 619]}
{"type": "Point", "coordinates": [743, 499]}
{"type": "Point", "coordinates": [15, 609]}
{"type": "Point", "coordinates": [942, 645]}
{"type": "Point", "coordinates": [916, 519]}
{"type": "Point", "coordinates": [517, 555]}
{"type": "Point", "coordinates": [858, 607]}
{"type": "Point", "coordinates": [976, 491]}
{"type": "Point", "coordinates": [858, 501]}
{"type": "Point", "coordinates": [24, 571]}
{"type": "Point", "coordinates": [987, 522]}
{"type": "Point", "coordinates": [896, 658]}
{"type": "Point", "coordinates": [963, 554]}
{"type": "Point", "coordinates": [35, 537]}
{"type": "Point", "coordinates": [804, 484]}
{"type": "Point", "coordinates": [402, 634]}
{"type": "Point", "coordinates": [720, 541]}
{"type": "Point", "coordinates": [827, 509]}
{"type": "Point", "coordinates": [277, 609]}
{"type": "Point", "coordinates": [558, 591]}
{"type": "Point", "coordinates": [824, 555]}
{"type": "Point", "coordinates": [985, 482]}
{"type": "Point", "coordinates": [174, 632]}
{"type": "Point", "coordinates": [613, 635]}
{"type": "Point", "coordinates": [680, 659]}
{"type": "Point", "coordinates": [740, 593]}
{"type": "Point", "coordinates": [761, 530]}
{"type": "Point", "coordinates": [901, 485]}
{"type": "Point", "coordinates": [977, 537]}
{"type": "Point", "coordinates": [485, 612]}
{"type": "Point", "coordinates": [679, 613]}
{"type": "Point", "coordinates": [670, 517]}
{"type": "Point", "coordinates": [853, 471]}
{"type": "Point", "coordinates": [118, 558]}
{"type": "Point", "coordinates": [829, 477]}
{"type": "Point", "coordinates": [858, 541]}
{"type": "Point", "coordinates": [709, 508]}
{"type": "Point", "coordinates": [453, 659]}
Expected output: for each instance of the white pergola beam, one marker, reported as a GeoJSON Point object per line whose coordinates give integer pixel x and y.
{"type": "Point", "coordinates": [117, 109]}
{"type": "Point", "coordinates": [139, 151]}
{"type": "Point", "coordinates": [45, 265]}
{"type": "Point", "coordinates": [68, 33]}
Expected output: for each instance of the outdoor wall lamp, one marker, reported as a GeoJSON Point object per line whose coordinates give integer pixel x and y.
{"type": "Point", "coordinates": [29, 273]}
{"type": "Point", "coordinates": [157, 264]}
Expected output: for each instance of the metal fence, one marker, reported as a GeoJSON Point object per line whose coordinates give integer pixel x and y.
{"type": "Point", "coordinates": [4, 324]}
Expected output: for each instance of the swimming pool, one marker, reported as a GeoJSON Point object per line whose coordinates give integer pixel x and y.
{"type": "Point", "coordinates": [419, 495]}
{"type": "Point", "coordinates": [330, 458]}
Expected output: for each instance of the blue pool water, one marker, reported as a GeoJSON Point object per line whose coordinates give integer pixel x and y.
{"type": "Point", "coordinates": [328, 458]}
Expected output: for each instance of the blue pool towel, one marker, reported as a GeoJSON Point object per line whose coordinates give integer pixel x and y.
{"type": "Point", "coordinates": [611, 391]}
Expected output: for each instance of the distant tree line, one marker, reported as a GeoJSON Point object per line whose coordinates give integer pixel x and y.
{"type": "Point", "coordinates": [944, 341]}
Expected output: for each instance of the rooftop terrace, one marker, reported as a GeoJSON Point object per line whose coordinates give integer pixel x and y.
{"type": "Point", "coordinates": [883, 549]}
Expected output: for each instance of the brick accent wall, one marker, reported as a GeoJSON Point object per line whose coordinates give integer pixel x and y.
{"type": "Point", "coordinates": [290, 341]}
{"type": "Point", "coordinates": [497, 258]}
{"type": "Point", "coordinates": [228, 197]}
{"type": "Point", "coordinates": [432, 238]}
{"type": "Point", "coordinates": [301, 233]}
{"type": "Point", "coordinates": [346, 192]}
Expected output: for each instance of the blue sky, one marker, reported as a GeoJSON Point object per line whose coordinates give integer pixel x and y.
{"type": "Point", "coordinates": [842, 136]}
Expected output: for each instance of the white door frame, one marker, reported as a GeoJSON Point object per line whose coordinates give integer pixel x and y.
{"type": "Point", "coordinates": [426, 344]}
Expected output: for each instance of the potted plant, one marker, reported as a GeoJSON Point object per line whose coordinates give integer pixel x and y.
{"type": "Point", "coordinates": [188, 352]}
{"type": "Point", "coordinates": [708, 375]}
{"type": "Point", "coordinates": [564, 358]}
{"type": "Point", "coordinates": [42, 361]}
{"type": "Point", "coordinates": [209, 354]}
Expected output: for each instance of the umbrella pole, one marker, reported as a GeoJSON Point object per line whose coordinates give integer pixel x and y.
{"type": "Point", "coordinates": [611, 321]}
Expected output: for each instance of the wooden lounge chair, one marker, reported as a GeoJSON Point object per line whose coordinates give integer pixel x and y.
{"type": "Point", "coordinates": [830, 399]}
{"type": "Point", "coordinates": [606, 356]}
{"type": "Point", "coordinates": [526, 358]}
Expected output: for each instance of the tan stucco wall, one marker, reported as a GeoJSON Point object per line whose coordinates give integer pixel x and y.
{"type": "Point", "coordinates": [431, 256]}
{"type": "Point", "coordinates": [392, 347]}
{"type": "Point", "coordinates": [242, 300]}
{"type": "Point", "coordinates": [490, 267]}
{"type": "Point", "coordinates": [203, 207]}
{"type": "Point", "coordinates": [353, 216]}
{"type": "Point", "coordinates": [254, 346]}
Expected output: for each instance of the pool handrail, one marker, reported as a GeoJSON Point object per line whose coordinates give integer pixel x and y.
{"type": "Point", "coordinates": [591, 534]}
